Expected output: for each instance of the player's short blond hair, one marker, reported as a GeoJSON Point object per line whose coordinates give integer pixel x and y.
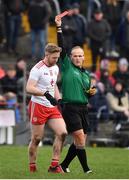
{"type": "Point", "coordinates": [52, 48]}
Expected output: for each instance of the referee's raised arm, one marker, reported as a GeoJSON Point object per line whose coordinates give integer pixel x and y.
{"type": "Point", "coordinates": [60, 40]}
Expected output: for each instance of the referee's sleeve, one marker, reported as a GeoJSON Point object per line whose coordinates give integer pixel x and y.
{"type": "Point", "coordinates": [60, 39]}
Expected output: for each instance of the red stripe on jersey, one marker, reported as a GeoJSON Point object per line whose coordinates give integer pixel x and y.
{"type": "Point", "coordinates": [39, 65]}
{"type": "Point", "coordinates": [45, 64]}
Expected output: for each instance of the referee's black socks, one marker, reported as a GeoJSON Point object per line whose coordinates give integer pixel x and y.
{"type": "Point", "coordinates": [72, 152]}
{"type": "Point", "coordinates": [70, 156]}
{"type": "Point", "coordinates": [81, 154]}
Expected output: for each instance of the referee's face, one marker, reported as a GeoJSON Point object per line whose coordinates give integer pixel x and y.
{"type": "Point", "coordinates": [77, 57]}
{"type": "Point", "coordinates": [53, 58]}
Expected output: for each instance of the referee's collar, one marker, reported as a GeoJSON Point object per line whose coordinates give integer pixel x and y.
{"type": "Point", "coordinates": [81, 69]}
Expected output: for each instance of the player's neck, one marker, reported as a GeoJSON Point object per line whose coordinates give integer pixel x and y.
{"type": "Point", "coordinates": [45, 61]}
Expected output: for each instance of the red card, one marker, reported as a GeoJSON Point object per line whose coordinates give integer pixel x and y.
{"type": "Point", "coordinates": [63, 14]}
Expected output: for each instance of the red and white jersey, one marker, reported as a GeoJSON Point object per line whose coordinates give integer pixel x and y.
{"type": "Point", "coordinates": [46, 78]}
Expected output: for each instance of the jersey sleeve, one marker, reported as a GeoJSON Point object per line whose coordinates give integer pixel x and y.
{"type": "Point", "coordinates": [34, 74]}
{"type": "Point", "coordinates": [57, 70]}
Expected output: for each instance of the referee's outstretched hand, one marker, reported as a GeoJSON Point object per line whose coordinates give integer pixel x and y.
{"type": "Point", "coordinates": [58, 21]}
{"type": "Point", "coordinates": [52, 100]}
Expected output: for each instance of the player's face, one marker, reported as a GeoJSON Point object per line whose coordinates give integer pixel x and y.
{"type": "Point", "coordinates": [77, 57]}
{"type": "Point", "coordinates": [53, 58]}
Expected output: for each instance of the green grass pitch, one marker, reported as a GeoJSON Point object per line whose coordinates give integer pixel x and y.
{"type": "Point", "coordinates": [107, 163]}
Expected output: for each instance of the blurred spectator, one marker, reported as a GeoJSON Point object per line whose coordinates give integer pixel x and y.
{"type": "Point", "coordinates": [98, 31]}
{"type": "Point", "coordinates": [39, 12]}
{"type": "Point", "coordinates": [9, 81]}
{"type": "Point", "coordinates": [1, 33]}
{"type": "Point", "coordinates": [80, 20]}
{"type": "Point", "coordinates": [2, 72]}
{"type": "Point", "coordinates": [92, 6]}
{"type": "Point", "coordinates": [20, 67]}
{"type": "Point", "coordinates": [65, 3]}
{"type": "Point", "coordinates": [92, 111]}
{"type": "Point", "coordinates": [2, 38]}
{"type": "Point", "coordinates": [125, 8]}
{"type": "Point", "coordinates": [11, 101]}
{"type": "Point", "coordinates": [20, 89]}
{"type": "Point", "coordinates": [69, 28]}
{"type": "Point", "coordinates": [1, 92]}
{"type": "Point", "coordinates": [118, 100]}
{"type": "Point", "coordinates": [104, 65]}
{"type": "Point", "coordinates": [3, 103]}
{"type": "Point", "coordinates": [112, 13]}
{"type": "Point", "coordinates": [104, 76]}
{"type": "Point", "coordinates": [122, 73]}
{"type": "Point", "coordinates": [123, 36]}
{"type": "Point", "coordinates": [107, 80]}
{"type": "Point", "coordinates": [102, 103]}
{"type": "Point", "coordinates": [98, 107]}
{"type": "Point", "coordinates": [12, 13]}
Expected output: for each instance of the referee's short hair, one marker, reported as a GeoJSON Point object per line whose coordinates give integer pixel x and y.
{"type": "Point", "coordinates": [52, 48]}
{"type": "Point", "coordinates": [76, 47]}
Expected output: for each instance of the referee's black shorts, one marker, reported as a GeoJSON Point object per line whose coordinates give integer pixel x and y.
{"type": "Point", "coordinates": [76, 117]}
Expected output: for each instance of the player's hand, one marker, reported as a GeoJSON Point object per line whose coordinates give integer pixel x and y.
{"type": "Point", "coordinates": [49, 97]}
{"type": "Point", "coordinates": [58, 21]}
{"type": "Point", "coordinates": [92, 91]}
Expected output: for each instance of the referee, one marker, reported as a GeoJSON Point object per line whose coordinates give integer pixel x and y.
{"type": "Point", "coordinates": [76, 89]}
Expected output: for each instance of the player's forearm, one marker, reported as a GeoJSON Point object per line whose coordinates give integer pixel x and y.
{"type": "Point", "coordinates": [57, 93]}
{"type": "Point", "coordinates": [34, 91]}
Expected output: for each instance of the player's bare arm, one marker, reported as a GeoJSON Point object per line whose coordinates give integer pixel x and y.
{"type": "Point", "coordinates": [57, 93]}
{"type": "Point", "coordinates": [31, 88]}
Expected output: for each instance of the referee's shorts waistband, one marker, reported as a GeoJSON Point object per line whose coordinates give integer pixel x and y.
{"type": "Point", "coordinates": [76, 104]}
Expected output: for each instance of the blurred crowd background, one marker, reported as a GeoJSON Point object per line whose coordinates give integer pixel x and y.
{"type": "Point", "coordinates": [101, 27]}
